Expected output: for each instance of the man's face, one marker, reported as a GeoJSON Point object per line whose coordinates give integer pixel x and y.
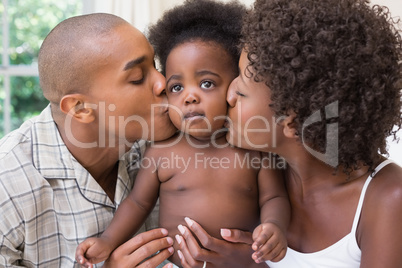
{"type": "Point", "coordinates": [128, 90]}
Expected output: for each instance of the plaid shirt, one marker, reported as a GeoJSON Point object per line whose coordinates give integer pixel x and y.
{"type": "Point", "coordinates": [49, 203]}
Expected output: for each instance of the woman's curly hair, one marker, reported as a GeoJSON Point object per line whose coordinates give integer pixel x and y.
{"type": "Point", "coordinates": [312, 54]}
{"type": "Point", "coordinates": [205, 20]}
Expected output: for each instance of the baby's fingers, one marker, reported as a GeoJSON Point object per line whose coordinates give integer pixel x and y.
{"type": "Point", "coordinates": [261, 237]}
{"type": "Point", "coordinates": [269, 252]}
{"type": "Point", "coordinates": [83, 261]}
{"type": "Point", "coordinates": [80, 253]}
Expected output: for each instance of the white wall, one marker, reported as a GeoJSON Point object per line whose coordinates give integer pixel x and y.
{"type": "Point", "coordinates": [139, 12]}
{"type": "Point", "coordinates": [395, 149]}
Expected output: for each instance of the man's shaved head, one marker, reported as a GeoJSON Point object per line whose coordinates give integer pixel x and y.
{"type": "Point", "coordinates": [69, 54]}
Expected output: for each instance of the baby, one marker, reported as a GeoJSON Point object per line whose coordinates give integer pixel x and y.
{"type": "Point", "coordinates": [196, 174]}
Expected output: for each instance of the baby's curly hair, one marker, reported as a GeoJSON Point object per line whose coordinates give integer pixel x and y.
{"type": "Point", "coordinates": [204, 20]}
{"type": "Point", "coordinates": [313, 53]}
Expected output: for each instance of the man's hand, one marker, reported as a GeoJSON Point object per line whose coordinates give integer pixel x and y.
{"type": "Point", "coordinates": [148, 249]}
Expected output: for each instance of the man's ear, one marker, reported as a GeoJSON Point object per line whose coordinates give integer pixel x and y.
{"type": "Point", "coordinates": [289, 129]}
{"type": "Point", "coordinates": [75, 105]}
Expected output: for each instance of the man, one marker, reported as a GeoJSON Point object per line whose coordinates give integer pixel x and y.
{"type": "Point", "coordinates": [63, 173]}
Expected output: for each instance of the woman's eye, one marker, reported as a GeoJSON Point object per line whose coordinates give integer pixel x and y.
{"type": "Point", "coordinates": [207, 84]}
{"type": "Point", "coordinates": [176, 88]}
{"type": "Point", "coordinates": [240, 94]}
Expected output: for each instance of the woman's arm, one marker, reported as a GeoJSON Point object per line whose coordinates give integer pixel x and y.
{"type": "Point", "coordinates": [379, 233]}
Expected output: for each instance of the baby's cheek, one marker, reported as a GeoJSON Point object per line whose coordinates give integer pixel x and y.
{"type": "Point", "coordinates": [176, 116]}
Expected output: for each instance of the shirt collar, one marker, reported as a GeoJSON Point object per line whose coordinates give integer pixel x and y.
{"type": "Point", "coordinates": [53, 160]}
{"type": "Point", "coordinates": [50, 155]}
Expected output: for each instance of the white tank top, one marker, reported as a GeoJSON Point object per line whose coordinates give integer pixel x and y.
{"type": "Point", "coordinates": [343, 254]}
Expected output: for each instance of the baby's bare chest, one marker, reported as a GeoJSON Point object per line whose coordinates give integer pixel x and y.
{"type": "Point", "coordinates": [209, 166]}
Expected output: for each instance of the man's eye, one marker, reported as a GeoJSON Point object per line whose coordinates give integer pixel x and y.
{"type": "Point", "coordinates": [207, 84]}
{"type": "Point", "coordinates": [137, 82]}
{"type": "Point", "coordinates": [176, 88]}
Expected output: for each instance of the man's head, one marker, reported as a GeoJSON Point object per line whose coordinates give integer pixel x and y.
{"type": "Point", "coordinates": [67, 55]}
{"type": "Point", "coordinates": [99, 70]}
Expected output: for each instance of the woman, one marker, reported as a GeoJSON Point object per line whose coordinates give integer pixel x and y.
{"type": "Point", "coordinates": [321, 82]}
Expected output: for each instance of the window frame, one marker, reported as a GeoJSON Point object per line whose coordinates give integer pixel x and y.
{"type": "Point", "coordinates": [7, 70]}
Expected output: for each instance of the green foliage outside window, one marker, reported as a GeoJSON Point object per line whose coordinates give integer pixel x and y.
{"type": "Point", "coordinates": [29, 23]}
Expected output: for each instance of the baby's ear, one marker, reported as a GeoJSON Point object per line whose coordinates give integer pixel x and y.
{"type": "Point", "coordinates": [289, 126]}
{"type": "Point", "coordinates": [74, 105]}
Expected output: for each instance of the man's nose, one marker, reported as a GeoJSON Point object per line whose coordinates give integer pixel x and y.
{"type": "Point", "coordinates": [159, 84]}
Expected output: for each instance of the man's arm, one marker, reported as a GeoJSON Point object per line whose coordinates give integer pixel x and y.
{"type": "Point", "coordinates": [10, 237]}
{"type": "Point", "coordinates": [12, 228]}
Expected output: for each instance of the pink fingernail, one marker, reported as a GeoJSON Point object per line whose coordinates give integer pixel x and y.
{"type": "Point", "coordinates": [189, 221]}
{"type": "Point", "coordinates": [178, 239]}
{"type": "Point", "coordinates": [169, 240]}
{"type": "Point", "coordinates": [180, 254]}
{"type": "Point", "coordinates": [226, 232]}
{"type": "Point", "coordinates": [181, 229]}
{"type": "Point", "coordinates": [171, 250]}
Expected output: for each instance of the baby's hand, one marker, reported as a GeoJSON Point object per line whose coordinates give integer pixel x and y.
{"type": "Point", "coordinates": [269, 243]}
{"type": "Point", "coordinates": [92, 250]}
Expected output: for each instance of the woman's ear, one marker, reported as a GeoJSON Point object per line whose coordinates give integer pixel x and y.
{"type": "Point", "coordinates": [288, 124]}
{"type": "Point", "coordinates": [74, 105]}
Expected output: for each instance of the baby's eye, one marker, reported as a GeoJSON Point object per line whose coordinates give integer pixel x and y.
{"type": "Point", "coordinates": [176, 88]}
{"type": "Point", "coordinates": [207, 84]}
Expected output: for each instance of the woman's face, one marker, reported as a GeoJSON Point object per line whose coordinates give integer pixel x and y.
{"type": "Point", "coordinates": [252, 124]}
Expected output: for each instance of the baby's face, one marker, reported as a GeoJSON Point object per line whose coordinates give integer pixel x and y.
{"type": "Point", "coordinates": [198, 75]}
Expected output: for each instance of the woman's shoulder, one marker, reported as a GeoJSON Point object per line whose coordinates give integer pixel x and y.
{"type": "Point", "coordinates": [381, 216]}
{"type": "Point", "coordinates": [387, 182]}
{"type": "Point", "coordinates": [384, 194]}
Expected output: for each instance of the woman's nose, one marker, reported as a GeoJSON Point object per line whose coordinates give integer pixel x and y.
{"type": "Point", "coordinates": [231, 96]}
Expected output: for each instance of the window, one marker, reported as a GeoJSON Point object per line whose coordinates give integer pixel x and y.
{"type": "Point", "coordinates": [24, 25]}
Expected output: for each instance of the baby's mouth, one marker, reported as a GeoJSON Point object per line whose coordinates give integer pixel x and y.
{"type": "Point", "coordinates": [193, 115]}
